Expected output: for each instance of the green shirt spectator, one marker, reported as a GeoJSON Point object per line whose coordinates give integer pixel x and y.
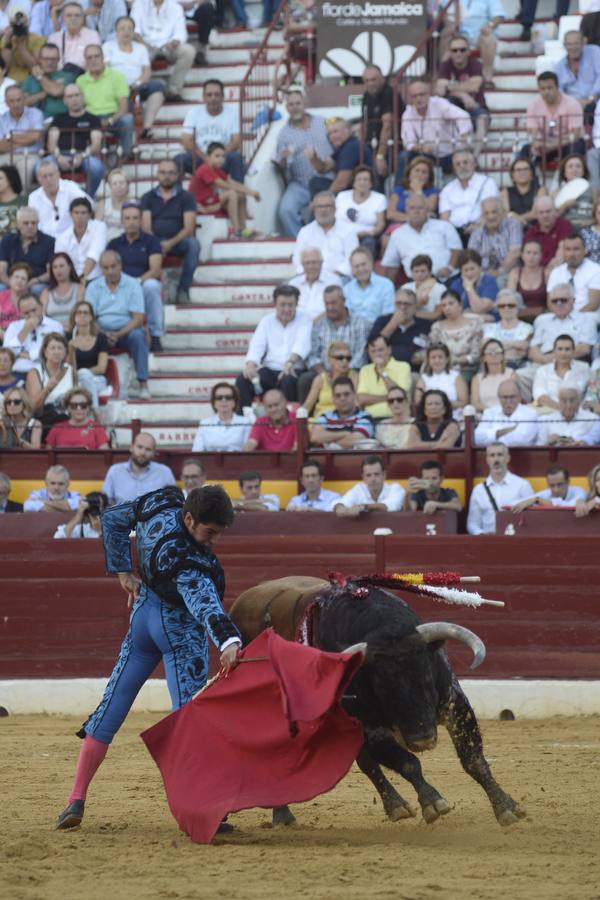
{"type": "Point", "coordinates": [103, 92]}
{"type": "Point", "coordinates": [46, 85]}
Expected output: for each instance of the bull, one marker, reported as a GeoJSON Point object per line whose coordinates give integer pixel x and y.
{"type": "Point", "coordinates": [402, 692]}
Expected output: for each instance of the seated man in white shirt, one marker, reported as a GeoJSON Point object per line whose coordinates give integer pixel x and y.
{"type": "Point", "coordinates": [278, 349]}
{"type": "Point", "coordinates": [560, 491]}
{"type": "Point", "coordinates": [579, 271]}
{"type": "Point", "coordinates": [372, 494]}
{"type": "Point", "coordinates": [500, 489]}
{"type": "Point", "coordinates": [53, 198]}
{"type": "Point", "coordinates": [25, 336]}
{"type": "Point", "coordinates": [509, 421]}
{"type": "Point", "coordinates": [160, 26]}
{"type": "Point", "coordinates": [252, 500]}
{"type": "Point", "coordinates": [461, 199]}
{"type": "Point", "coordinates": [313, 281]}
{"type": "Point", "coordinates": [85, 241]}
{"type": "Point", "coordinates": [564, 371]}
{"type": "Point", "coordinates": [314, 496]}
{"type": "Point", "coordinates": [420, 235]}
{"type": "Point", "coordinates": [56, 496]}
{"type": "Point", "coordinates": [570, 426]}
{"type": "Point", "coordinates": [335, 238]}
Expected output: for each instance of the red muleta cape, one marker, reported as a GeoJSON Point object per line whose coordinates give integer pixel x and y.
{"type": "Point", "coordinates": [271, 733]}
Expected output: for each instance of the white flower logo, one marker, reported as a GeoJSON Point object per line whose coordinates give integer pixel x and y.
{"type": "Point", "coordinates": [368, 48]}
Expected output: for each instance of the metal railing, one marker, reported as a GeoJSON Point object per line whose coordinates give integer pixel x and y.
{"type": "Point", "coordinates": [256, 112]}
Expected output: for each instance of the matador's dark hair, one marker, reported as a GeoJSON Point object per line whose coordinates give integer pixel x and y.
{"type": "Point", "coordinates": [210, 505]}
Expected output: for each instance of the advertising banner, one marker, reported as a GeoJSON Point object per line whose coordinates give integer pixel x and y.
{"type": "Point", "coordinates": [353, 35]}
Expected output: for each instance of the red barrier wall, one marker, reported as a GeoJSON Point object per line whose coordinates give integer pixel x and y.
{"type": "Point", "coordinates": [61, 616]}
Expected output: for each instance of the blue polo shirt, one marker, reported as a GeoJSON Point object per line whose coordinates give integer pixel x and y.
{"type": "Point", "coordinates": [38, 253]}
{"type": "Point", "coordinates": [113, 309]}
{"type": "Point", "coordinates": [167, 215]}
{"type": "Point", "coordinates": [135, 255]}
{"type": "Point", "coordinates": [348, 155]}
{"type": "Point", "coordinates": [377, 299]}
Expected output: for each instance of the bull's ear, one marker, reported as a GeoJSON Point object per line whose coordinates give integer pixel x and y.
{"type": "Point", "coordinates": [435, 645]}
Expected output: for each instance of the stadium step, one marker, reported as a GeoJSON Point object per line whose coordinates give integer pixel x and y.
{"type": "Point", "coordinates": [234, 251]}
{"type": "Point", "coordinates": [207, 339]}
{"type": "Point", "coordinates": [177, 363]}
{"type": "Point", "coordinates": [275, 270]}
{"type": "Point", "coordinates": [242, 294]}
{"type": "Point", "coordinates": [188, 319]}
{"type": "Point", "coordinates": [184, 387]}
{"type": "Point", "coordinates": [156, 410]}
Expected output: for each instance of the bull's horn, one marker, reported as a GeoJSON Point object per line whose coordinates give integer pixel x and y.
{"type": "Point", "coordinates": [444, 631]}
{"type": "Point", "coordinates": [356, 648]}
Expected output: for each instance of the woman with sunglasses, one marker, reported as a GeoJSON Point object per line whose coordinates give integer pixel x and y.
{"type": "Point", "coordinates": [226, 430]}
{"type": "Point", "coordinates": [108, 209]}
{"type": "Point", "coordinates": [460, 332]}
{"type": "Point", "coordinates": [320, 399]}
{"type": "Point", "coordinates": [64, 289]}
{"type": "Point", "coordinates": [419, 178]}
{"type": "Point", "coordinates": [18, 427]}
{"type": "Point", "coordinates": [90, 347]}
{"type": "Point", "coordinates": [529, 279]}
{"type": "Point", "coordinates": [81, 428]}
{"type": "Point", "coordinates": [510, 331]}
{"type": "Point", "coordinates": [392, 433]}
{"type": "Point", "coordinates": [591, 234]}
{"type": "Point", "coordinates": [438, 375]}
{"type": "Point", "coordinates": [518, 200]}
{"type": "Point", "coordinates": [493, 372]}
{"type": "Point", "coordinates": [433, 428]}
{"type": "Point", "coordinates": [577, 209]}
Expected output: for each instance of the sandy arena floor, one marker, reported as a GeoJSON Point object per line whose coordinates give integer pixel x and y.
{"type": "Point", "coordinates": [129, 846]}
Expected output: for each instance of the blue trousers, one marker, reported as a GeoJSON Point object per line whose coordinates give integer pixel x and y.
{"type": "Point", "coordinates": [189, 250]}
{"type": "Point", "coordinates": [135, 344]}
{"type": "Point", "coordinates": [156, 631]}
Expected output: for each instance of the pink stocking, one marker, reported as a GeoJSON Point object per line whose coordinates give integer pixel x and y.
{"type": "Point", "coordinates": [90, 757]}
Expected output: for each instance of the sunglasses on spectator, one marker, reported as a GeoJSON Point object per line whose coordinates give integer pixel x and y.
{"type": "Point", "coordinates": [560, 300]}
{"type": "Point", "coordinates": [224, 397]}
{"type": "Point", "coordinates": [75, 405]}
{"type": "Point", "coordinates": [396, 399]}
{"type": "Point", "coordinates": [13, 401]}
{"type": "Point", "coordinates": [342, 356]}
{"type": "Point", "coordinates": [507, 305]}
{"type": "Point", "coordinates": [458, 49]}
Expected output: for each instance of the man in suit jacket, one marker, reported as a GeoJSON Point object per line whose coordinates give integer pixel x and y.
{"type": "Point", "coordinates": [6, 505]}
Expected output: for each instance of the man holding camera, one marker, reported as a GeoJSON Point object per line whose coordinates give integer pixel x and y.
{"type": "Point", "coordinates": [426, 494]}
{"type": "Point", "coordinates": [20, 47]}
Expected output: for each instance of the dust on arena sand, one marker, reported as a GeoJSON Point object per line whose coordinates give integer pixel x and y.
{"type": "Point", "coordinates": [129, 846]}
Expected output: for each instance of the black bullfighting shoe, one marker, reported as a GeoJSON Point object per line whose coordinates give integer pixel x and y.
{"type": "Point", "coordinates": [72, 816]}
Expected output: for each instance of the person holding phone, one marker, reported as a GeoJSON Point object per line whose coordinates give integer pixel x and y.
{"type": "Point", "coordinates": [426, 494]}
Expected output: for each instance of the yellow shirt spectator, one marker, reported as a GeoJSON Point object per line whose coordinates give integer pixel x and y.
{"type": "Point", "coordinates": [372, 382]}
{"type": "Point", "coordinates": [18, 67]}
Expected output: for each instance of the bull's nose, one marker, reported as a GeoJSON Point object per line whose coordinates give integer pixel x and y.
{"type": "Point", "coordinates": [423, 744]}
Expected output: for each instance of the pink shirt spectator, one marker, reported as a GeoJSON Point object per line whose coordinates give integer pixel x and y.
{"type": "Point", "coordinates": [443, 125]}
{"type": "Point", "coordinates": [71, 48]}
{"type": "Point", "coordinates": [279, 439]}
{"type": "Point", "coordinates": [8, 311]}
{"type": "Point", "coordinates": [568, 116]}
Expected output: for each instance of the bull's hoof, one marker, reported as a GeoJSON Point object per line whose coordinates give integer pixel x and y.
{"type": "Point", "coordinates": [282, 815]}
{"type": "Point", "coordinates": [400, 811]}
{"type": "Point", "coordinates": [510, 816]}
{"type": "Point", "coordinates": [434, 810]}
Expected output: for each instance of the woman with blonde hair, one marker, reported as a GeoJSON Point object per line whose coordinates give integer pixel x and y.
{"type": "Point", "coordinates": [108, 209]}
{"type": "Point", "coordinates": [493, 371]}
{"type": "Point", "coordinates": [592, 501]}
{"type": "Point", "coordinates": [320, 398]}
{"type": "Point", "coordinates": [18, 427]}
